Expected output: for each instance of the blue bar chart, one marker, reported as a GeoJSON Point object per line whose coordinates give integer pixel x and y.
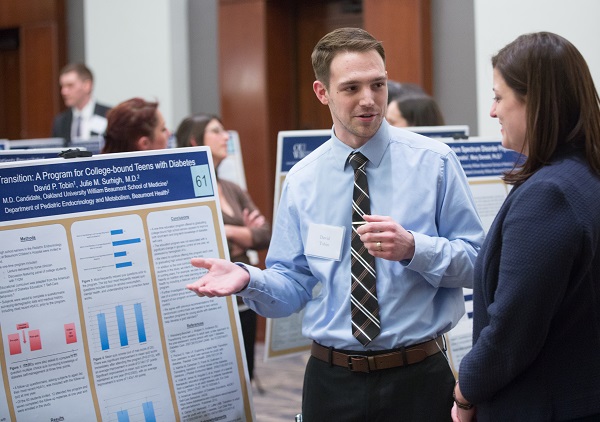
{"type": "Point", "coordinates": [149, 415]}
{"type": "Point", "coordinates": [123, 416]}
{"type": "Point", "coordinates": [139, 321]}
{"type": "Point", "coordinates": [103, 330]}
{"type": "Point", "coordinates": [147, 409]}
{"type": "Point", "coordinates": [143, 406]}
{"type": "Point", "coordinates": [119, 326]}
{"type": "Point", "coordinates": [122, 326]}
{"type": "Point", "coordinates": [119, 240]}
{"type": "Point", "coordinates": [120, 249]}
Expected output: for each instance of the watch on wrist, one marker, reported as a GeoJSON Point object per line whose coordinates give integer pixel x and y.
{"type": "Point", "coordinates": [464, 406]}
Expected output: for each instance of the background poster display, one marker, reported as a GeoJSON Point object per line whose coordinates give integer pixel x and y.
{"type": "Point", "coordinates": [95, 320]}
{"type": "Point", "coordinates": [284, 335]}
{"type": "Point", "coordinates": [483, 160]}
{"type": "Point", "coordinates": [29, 154]}
{"type": "Point", "coordinates": [232, 167]}
{"type": "Point", "coordinates": [36, 143]}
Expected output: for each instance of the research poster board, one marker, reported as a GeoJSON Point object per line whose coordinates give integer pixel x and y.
{"type": "Point", "coordinates": [448, 131]}
{"type": "Point", "coordinates": [95, 320]}
{"type": "Point", "coordinates": [4, 144]}
{"type": "Point", "coordinates": [29, 154]}
{"type": "Point", "coordinates": [37, 143]}
{"type": "Point", "coordinates": [283, 336]}
{"type": "Point", "coordinates": [483, 159]}
{"type": "Point", "coordinates": [232, 167]}
{"type": "Point", "coordinates": [93, 145]}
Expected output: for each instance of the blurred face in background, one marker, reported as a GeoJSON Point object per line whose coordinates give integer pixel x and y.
{"type": "Point", "coordinates": [394, 115]}
{"type": "Point", "coordinates": [160, 136]}
{"type": "Point", "coordinates": [75, 91]}
{"type": "Point", "coordinates": [216, 137]}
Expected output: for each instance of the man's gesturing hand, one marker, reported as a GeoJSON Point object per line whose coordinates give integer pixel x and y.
{"type": "Point", "coordinates": [224, 278]}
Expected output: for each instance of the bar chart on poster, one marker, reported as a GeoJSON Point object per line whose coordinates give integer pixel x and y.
{"type": "Point", "coordinates": [30, 340]}
{"type": "Point", "coordinates": [112, 250]}
{"type": "Point", "coordinates": [118, 325]}
{"type": "Point", "coordinates": [143, 406]}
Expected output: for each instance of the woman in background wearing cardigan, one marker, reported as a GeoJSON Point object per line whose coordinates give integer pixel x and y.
{"type": "Point", "coordinates": [245, 227]}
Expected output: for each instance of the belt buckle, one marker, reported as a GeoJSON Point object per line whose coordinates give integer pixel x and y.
{"type": "Point", "coordinates": [358, 357]}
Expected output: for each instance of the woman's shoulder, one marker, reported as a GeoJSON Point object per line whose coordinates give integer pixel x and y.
{"type": "Point", "coordinates": [231, 186]}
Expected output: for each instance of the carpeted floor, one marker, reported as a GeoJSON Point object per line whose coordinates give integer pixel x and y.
{"type": "Point", "coordinates": [277, 387]}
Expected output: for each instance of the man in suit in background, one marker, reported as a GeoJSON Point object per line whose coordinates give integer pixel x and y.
{"type": "Point", "coordinates": [85, 117]}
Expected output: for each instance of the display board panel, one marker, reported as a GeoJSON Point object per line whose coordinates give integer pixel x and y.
{"type": "Point", "coordinates": [95, 319]}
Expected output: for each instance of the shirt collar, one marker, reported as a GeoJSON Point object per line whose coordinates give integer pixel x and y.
{"type": "Point", "coordinates": [373, 149]}
{"type": "Point", "coordinates": [87, 111]}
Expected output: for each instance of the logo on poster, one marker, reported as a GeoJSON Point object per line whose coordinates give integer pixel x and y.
{"type": "Point", "coordinates": [299, 151]}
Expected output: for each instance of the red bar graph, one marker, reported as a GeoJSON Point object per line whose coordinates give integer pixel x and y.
{"type": "Point", "coordinates": [70, 333]}
{"type": "Point", "coordinates": [35, 341]}
{"type": "Point", "coordinates": [14, 344]}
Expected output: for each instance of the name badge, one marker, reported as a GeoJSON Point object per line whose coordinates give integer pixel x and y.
{"type": "Point", "coordinates": [98, 124]}
{"type": "Point", "coordinates": [325, 241]}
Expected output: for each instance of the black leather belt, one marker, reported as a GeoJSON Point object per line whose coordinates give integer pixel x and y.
{"type": "Point", "coordinates": [366, 363]}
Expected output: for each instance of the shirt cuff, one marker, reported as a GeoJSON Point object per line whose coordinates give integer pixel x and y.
{"type": "Point", "coordinates": [243, 266]}
{"type": "Point", "coordinates": [421, 260]}
{"type": "Point", "coordinates": [255, 273]}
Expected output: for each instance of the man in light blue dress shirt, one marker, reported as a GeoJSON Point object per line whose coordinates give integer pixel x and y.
{"type": "Point", "coordinates": [424, 232]}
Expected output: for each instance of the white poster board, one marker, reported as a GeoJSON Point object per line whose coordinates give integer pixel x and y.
{"type": "Point", "coordinates": [36, 143]}
{"type": "Point", "coordinates": [232, 167]}
{"type": "Point", "coordinates": [447, 131]}
{"type": "Point", "coordinates": [95, 320]}
{"type": "Point", "coordinates": [29, 154]}
{"type": "Point", "coordinates": [94, 144]}
{"type": "Point", "coordinates": [284, 335]}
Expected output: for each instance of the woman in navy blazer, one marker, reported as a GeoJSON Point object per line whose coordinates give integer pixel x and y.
{"type": "Point", "coordinates": [536, 302]}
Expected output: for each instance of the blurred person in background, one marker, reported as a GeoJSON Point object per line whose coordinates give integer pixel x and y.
{"type": "Point", "coordinates": [245, 227]}
{"type": "Point", "coordinates": [400, 89]}
{"type": "Point", "coordinates": [135, 125]}
{"type": "Point", "coordinates": [84, 117]}
{"type": "Point", "coordinates": [414, 110]}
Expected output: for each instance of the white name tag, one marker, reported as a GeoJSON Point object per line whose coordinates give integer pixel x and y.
{"type": "Point", "coordinates": [98, 124]}
{"type": "Point", "coordinates": [325, 241]}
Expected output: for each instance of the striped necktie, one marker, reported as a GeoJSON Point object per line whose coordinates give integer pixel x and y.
{"type": "Point", "coordinates": [363, 295]}
{"type": "Point", "coordinates": [78, 127]}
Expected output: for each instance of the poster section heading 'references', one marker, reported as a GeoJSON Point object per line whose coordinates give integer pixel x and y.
{"type": "Point", "coordinates": [82, 185]}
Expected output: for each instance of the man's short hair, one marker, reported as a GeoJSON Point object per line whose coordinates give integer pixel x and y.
{"type": "Point", "coordinates": [82, 71]}
{"type": "Point", "coordinates": [341, 40]}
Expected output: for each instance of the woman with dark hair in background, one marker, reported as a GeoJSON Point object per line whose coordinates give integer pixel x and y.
{"type": "Point", "coordinates": [245, 227]}
{"type": "Point", "coordinates": [414, 110]}
{"type": "Point", "coordinates": [135, 125]}
{"type": "Point", "coordinates": [536, 297]}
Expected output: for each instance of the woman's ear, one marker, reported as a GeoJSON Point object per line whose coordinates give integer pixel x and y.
{"type": "Point", "coordinates": [193, 142]}
{"type": "Point", "coordinates": [144, 143]}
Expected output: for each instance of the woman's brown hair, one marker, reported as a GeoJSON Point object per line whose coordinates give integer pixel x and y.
{"type": "Point", "coordinates": [127, 123]}
{"type": "Point", "coordinates": [552, 78]}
